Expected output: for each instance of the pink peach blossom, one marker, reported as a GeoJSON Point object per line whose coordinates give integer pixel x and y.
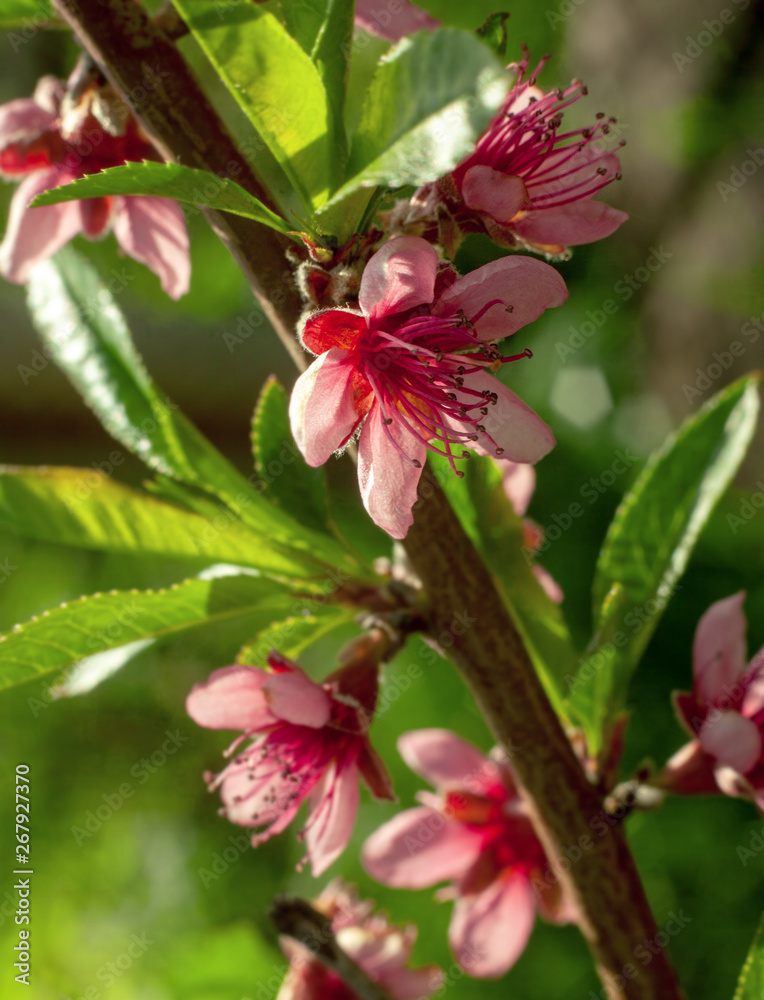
{"type": "Point", "coordinates": [476, 833]}
{"type": "Point", "coordinates": [309, 742]}
{"type": "Point", "coordinates": [412, 371]}
{"type": "Point", "coordinates": [49, 141]}
{"type": "Point", "coordinates": [382, 950]}
{"type": "Point", "coordinates": [376, 18]}
{"type": "Point", "coordinates": [724, 712]}
{"type": "Point", "coordinates": [519, 482]}
{"type": "Point", "coordinates": [529, 184]}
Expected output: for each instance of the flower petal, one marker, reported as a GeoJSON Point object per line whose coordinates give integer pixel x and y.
{"type": "Point", "coordinates": [381, 22]}
{"type": "Point", "coordinates": [489, 930]}
{"type": "Point", "coordinates": [387, 475]}
{"type": "Point", "coordinates": [332, 328]}
{"type": "Point", "coordinates": [528, 285]}
{"type": "Point", "coordinates": [732, 739]}
{"type": "Point", "coordinates": [414, 984]}
{"type": "Point", "coordinates": [333, 808]}
{"type": "Point", "coordinates": [447, 761]}
{"type": "Point", "coordinates": [153, 231]}
{"type": "Point", "coordinates": [548, 584]}
{"type": "Point", "coordinates": [499, 195]}
{"type": "Point", "coordinates": [34, 234]}
{"type": "Point", "coordinates": [719, 648]}
{"type": "Point", "coordinates": [231, 698]}
{"type": "Point", "coordinates": [518, 482]}
{"type": "Point", "coordinates": [295, 698]}
{"type": "Point", "coordinates": [21, 123]}
{"type": "Point", "coordinates": [399, 276]}
{"type": "Point", "coordinates": [418, 848]}
{"type": "Point", "coordinates": [569, 225]}
{"type": "Point", "coordinates": [690, 771]}
{"type": "Point", "coordinates": [509, 424]}
{"type": "Point", "coordinates": [322, 413]}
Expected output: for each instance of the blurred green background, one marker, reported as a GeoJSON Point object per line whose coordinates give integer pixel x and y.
{"type": "Point", "coordinates": [160, 865]}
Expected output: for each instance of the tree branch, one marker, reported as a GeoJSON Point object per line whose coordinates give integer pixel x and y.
{"type": "Point", "coordinates": [596, 868]}
{"type": "Point", "coordinates": [152, 77]}
{"type": "Point", "coordinates": [568, 812]}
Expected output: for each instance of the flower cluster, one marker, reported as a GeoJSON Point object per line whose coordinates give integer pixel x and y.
{"type": "Point", "coordinates": [476, 833]}
{"type": "Point", "coordinates": [413, 369]}
{"type": "Point", "coordinates": [309, 742]}
{"type": "Point", "coordinates": [382, 950]}
{"type": "Point", "coordinates": [724, 713]}
{"type": "Point", "coordinates": [55, 138]}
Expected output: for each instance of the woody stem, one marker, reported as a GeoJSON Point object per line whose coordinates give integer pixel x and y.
{"type": "Point", "coordinates": [567, 810]}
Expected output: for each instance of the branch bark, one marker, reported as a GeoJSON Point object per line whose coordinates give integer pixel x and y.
{"type": "Point", "coordinates": [567, 810]}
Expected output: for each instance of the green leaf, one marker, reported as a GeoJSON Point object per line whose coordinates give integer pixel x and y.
{"type": "Point", "coordinates": [432, 96]}
{"type": "Point", "coordinates": [304, 19]}
{"type": "Point", "coordinates": [295, 634]}
{"type": "Point", "coordinates": [88, 338]}
{"type": "Point", "coordinates": [290, 481]}
{"type": "Point", "coordinates": [83, 628]}
{"type": "Point", "coordinates": [488, 518]}
{"type": "Point", "coordinates": [654, 531]}
{"type": "Point", "coordinates": [750, 986]}
{"type": "Point", "coordinates": [493, 32]}
{"type": "Point", "coordinates": [86, 509]}
{"type": "Point", "coordinates": [331, 54]}
{"type": "Point", "coordinates": [167, 180]}
{"type": "Point", "coordinates": [28, 15]}
{"type": "Point", "coordinates": [277, 86]}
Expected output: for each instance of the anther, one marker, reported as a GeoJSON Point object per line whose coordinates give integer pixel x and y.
{"type": "Point", "coordinates": [510, 309]}
{"type": "Point", "coordinates": [499, 451]}
{"type": "Point", "coordinates": [416, 463]}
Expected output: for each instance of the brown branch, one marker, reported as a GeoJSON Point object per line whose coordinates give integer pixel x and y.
{"type": "Point", "coordinates": [297, 919]}
{"type": "Point", "coordinates": [568, 812]}
{"type": "Point", "coordinates": [152, 77]}
{"type": "Point", "coordinates": [597, 868]}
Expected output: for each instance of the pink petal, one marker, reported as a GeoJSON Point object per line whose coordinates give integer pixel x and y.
{"type": "Point", "coordinates": [732, 739]}
{"type": "Point", "coordinates": [509, 424]}
{"type": "Point", "coordinates": [690, 771]}
{"type": "Point", "coordinates": [719, 648]}
{"type": "Point", "coordinates": [414, 984]}
{"type": "Point", "coordinates": [528, 285]}
{"type": "Point", "coordinates": [34, 234]}
{"type": "Point", "coordinates": [418, 848]}
{"type": "Point", "coordinates": [518, 482]}
{"type": "Point", "coordinates": [732, 783]}
{"type": "Point", "coordinates": [333, 808]}
{"type": "Point", "coordinates": [555, 904]}
{"type": "Point", "coordinates": [753, 700]}
{"type": "Point", "coordinates": [332, 328]}
{"type": "Point", "coordinates": [499, 195]}
{"type": "Point", "coordinates": [387, 475]}
{"type": "Point", "coordinates": [231, 698]}
{"type": "Point", "coordinates": [399, 276]}
{"type": "Point", "coordinates": [321, 411]}
{"type": "Point", "coordinates": [271, 802]}
{"type": "Point", "coordinates": [689, 714]}
{"type": "Point", "coordinates": [446, 760]}
{"type": "Point", "coordinates": [153, 231]}
{"type": "Point", "coordinates": [577, 222]}
{"type": "Point", "coordinates": [295, 698]}
{"type": "Point", "coordinates": [489, 931]}
{"type": "Point", "coordinates": [49, 93]}
{"type": "Point", "coordinates": [22, 119]}
{"type": "Point", "coordinates": [549, 585]}
{"type": "Point", "coordinates": [375, 17]}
